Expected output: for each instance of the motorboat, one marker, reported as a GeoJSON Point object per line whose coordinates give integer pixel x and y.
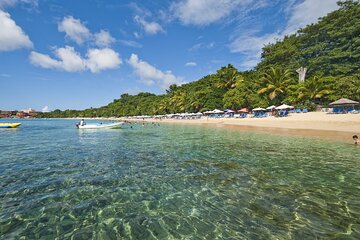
{"type": "Point", "coordinates": [100, 125]}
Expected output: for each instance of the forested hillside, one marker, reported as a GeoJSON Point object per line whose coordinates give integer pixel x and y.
{"type": "Point", "coordinates": [329, 49]}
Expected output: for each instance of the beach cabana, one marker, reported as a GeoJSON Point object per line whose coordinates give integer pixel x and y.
{"type": "Point", "coordinates": [343, 105]}
{"type": "Point", "coordinates": [243, 112]}
{"type": "Point", "coordinates": [283, 110]}
{"type": "Point", "coordinates": [259, 112]}
{"type": "Point", "coordinates": [216, 113]}
{"type": "Point", "coordinates": [271, 110]}
{"type": "Point", "coordinates": [229, 113]}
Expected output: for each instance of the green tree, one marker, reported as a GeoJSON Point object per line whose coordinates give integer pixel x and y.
{"type": "Point", "coordinates": [227, 77]}
{"type": "Point", "coordinates": [314, 89]}
{"type": "Point", "coordinates": [275, 83]}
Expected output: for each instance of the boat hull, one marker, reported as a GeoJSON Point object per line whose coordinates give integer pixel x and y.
{"type": "Point", "coordinates": [9, 125]}
{"type": "Point", "coordinates": [101, 126]}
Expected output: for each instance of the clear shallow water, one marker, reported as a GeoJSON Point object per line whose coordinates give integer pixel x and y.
{"type": "Point", "coordinates": [174, 182]}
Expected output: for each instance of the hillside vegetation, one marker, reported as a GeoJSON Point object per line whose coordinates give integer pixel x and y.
{"type": "Point", "coordinates": [329, 49]}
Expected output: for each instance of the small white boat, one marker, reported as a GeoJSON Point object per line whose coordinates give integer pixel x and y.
{"type": "Point", "coordinates": [100, 125]}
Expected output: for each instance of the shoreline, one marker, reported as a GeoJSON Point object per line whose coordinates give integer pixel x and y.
{"type": "Point", "coordinates": [338, 127]}
{"type": "Point", "coordinates": [313, 124]}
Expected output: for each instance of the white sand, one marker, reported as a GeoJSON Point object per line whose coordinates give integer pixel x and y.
{"type": "Point", "coordinates": [318, 124]}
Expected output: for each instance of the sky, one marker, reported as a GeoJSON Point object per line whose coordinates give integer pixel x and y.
{"type": "Point", "coordinates": [63, 54]}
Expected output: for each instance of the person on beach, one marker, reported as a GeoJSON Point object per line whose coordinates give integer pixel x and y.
{"type": "Point", "coordinates": [356, 140]}
{"type": "Point", "coordinates": [82, 122]}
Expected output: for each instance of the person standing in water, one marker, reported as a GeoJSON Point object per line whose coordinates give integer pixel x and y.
{"type": "Point", "coordinates": [356, 140]}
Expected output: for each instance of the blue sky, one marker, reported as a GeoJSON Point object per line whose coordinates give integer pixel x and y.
{"type": "Point", "coordinates": [79, 54]}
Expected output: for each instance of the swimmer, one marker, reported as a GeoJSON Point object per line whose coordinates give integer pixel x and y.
{"type": "Point", "coordinates": [356, 140]}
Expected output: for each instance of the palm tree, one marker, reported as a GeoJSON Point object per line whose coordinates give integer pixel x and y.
{"type": "Point", "coordinates": [164, 105]}
{"type": "Point", "coordinates": [178, 100]}
{"type": "Point", "coordinates": [314, 88]}
{"type": "Point", "coordinates": [275, 83]}
{"type": "Point", "coordinates": [228, 77]}
{"type": "Point", "coordinates": [198, 99]}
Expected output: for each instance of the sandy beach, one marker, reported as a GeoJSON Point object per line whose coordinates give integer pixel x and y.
{"type": "Point", "coordinates": [314, 124]}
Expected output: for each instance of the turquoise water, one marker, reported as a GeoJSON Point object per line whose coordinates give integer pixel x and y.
{"type": "Point", "coordinates": [174, 182]}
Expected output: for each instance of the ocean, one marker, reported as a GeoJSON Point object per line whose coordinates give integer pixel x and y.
{"type": "Point", "coordinates": [174, 181]}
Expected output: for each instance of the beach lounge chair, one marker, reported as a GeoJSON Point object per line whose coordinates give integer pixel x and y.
{"type": "Point", "coordinates": [305, 110]}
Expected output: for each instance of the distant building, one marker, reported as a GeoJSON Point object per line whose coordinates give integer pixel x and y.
{"type": "Point", "coordinates": [22, 114]}
{"type": "Point", "coordinates": [28, 113]}
{"type": "Point", "coordinates": [30, 110]}
{"type": "Point", "coordinates": [7, 114]}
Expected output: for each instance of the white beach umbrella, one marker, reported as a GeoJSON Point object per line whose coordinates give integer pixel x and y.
{"type": "Point", "coordinates": [259, 109]}
{"type": "Point", "coordinates": [198, 113]}
{"type": "Point", "coordinates": [230, 111]}
{"type": "Point", "coordinates": [283, 107]}
{"type": "Point", "coordinates": [271, 107]}
{"type": "Point", "coordinates": [217, 111]}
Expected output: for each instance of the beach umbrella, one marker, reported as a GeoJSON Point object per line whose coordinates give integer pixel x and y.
{"type": "Point", "coordinates": [217, 111]}
{"type": "Point", "coordinates": [343, 102]}
{"type": "Point", "coordinates": [229, 111]}
{"type": "Point", "coordinates": [283, 107]}
{"type": "Point", "coordinates": [243, 110]}
{"type": "Point", "coordinates": [271, 107]}
{"type": "Point", "coordinates": [199, 113]}
{"type": "Point", "coordinates": [259, 109]}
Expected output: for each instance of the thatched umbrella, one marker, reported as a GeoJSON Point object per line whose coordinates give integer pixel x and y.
{"type": "Point", "coordinates": [342, 102]}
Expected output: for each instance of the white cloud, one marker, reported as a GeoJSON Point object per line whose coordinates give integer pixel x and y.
{"type": "Point", "coordinates": [78, 32]}
{"type": "Point", "coordinates": [12, 37]}
{"type": "Point", "coordinates": [150, 75]}
{"type": "Point", "coordinates": [301, 14]}
{"type": "Point", "coordinates": [10, 3]}
{"type": "Point", "coordinates": [74, 29]}
{"type": "Point", "coordinates": [191, 64]}
{"type": "Point", "coordinates": [308, 12]}
{"type": "Point", "coordinates": [7, 3]}
{"type": "Point", "coordinates": [137, 35]}
{"type": "Point", "coordinates": [71, 61]}
{"type": "Point", "coordinates": [151, 28]}
{"type": "Point", "coordinates": [4, 75]}
{"type": "Point", "coordinates": [130, 43]}
{"type": "Point", "coordinates": [103, 39]}
{"type": "Point", "coordinates": [249, 44]}
{"type": "Point", "coordinates": [101, 59]}
{"type": "Point", "coordinates": [204, 12]}
{"type": "Point", "coordinates": [202, 46]}
{"type": "Point", "coordinates": [45, 109]}
{"type": "Point", "coordinates": [43, 60]}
